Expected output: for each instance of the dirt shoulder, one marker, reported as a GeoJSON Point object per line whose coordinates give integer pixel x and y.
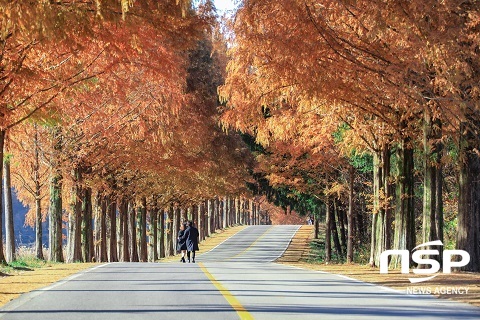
{"type": "Point", "coordinates": [446, 286]}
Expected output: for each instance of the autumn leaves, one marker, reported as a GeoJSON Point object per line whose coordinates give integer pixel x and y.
{"type": "Point", "coordinates": [385, 77]}
{"type": "Point", "coordinates": [110, 104]}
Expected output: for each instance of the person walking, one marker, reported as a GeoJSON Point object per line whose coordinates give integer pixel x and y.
{"type": "Point", "coordinates": [181, 243]}
{"type": "Point", "coordinates": [191, 238]}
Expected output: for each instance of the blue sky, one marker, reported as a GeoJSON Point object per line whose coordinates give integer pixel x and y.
{"type": "Point", "coordinates": [223, 5]}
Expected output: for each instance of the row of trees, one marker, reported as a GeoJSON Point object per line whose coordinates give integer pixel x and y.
{"type": "Point", "coordinates": [108, 119]}
{"type": "Point", "coordinates": [341, 93]}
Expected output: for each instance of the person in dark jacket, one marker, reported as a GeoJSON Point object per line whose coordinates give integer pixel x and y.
{"type": "Point", "coordinates": [191, 238]}
{"type": "Point", "coordinates": [181, 243]}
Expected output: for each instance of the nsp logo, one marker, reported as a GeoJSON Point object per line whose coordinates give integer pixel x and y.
{"type": "Point", "coordinates": [417, 256]}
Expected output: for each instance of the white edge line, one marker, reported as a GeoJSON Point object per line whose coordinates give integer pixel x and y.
{"type": "Point", "coordinates": [288, 244]}
{"type": "Point", "coordinates": [27, 296]}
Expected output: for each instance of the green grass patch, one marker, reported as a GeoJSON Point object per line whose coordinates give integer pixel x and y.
{"type": "Point", "coordinates": [361, 255]}
{"type": "Point", "coordinates": [23, 263]}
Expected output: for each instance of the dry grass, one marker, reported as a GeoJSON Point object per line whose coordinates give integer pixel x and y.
{"type": "Point", "coordinates": [299, 249]}
{"type": "Point", "coordinates": [211, 242]}
{"type": "Point", "coordinates": [23, 280]}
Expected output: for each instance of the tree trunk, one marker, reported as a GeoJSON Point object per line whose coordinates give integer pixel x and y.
{"type": "Point", "coordinates": [432, 158]}
{"type": "Point", "coordinates": [9, 227]}
{"type": "Point", "coordinates": [242, 210]}
{"type": "Point", "coordinates": [350, 218]}
{"type": "Point", "coordinates": [55, 209]}
{"type": "Point", "coordinates": [96, 225]}
{"type": "Point", "coordinates": [404, 237]}
{"type": "Point", "coordinates": [254, 213]}
{"type": "Point", "coordinates": [161, 233]}
{"type": "Point", "coordinates": [200, 221]}
{"type": "Point", "coordinates": [38, 200]}
{"type": "Point", "coordinates": [341, 221]}
{"type": "Point", "coordinates": [216, 214]}
{"type": "Point", "coordinates": [38, 229]}
{"type": "Point", "coordinates": [124, 226]}
{"type": "Point", "coordinates": [224, 213]}
{"type": "Point", "coordinates": [468, 226]}
{"type": "Point", "coordinates": [3, 261]}
{"type": "Point", "coordinates": [170, 241]}
{"type": "Point", "coordinates": [209, 217]}
{"type": "Point", "coordinates": [328, 232]}
{"type": "Point", "coordinates": [375, 237]}
{"type": "Point", "coordinates": [176, 227]}
{"type": "Point", "coordinates": [74, 248]}
{"type": "Point", "coordinates": [154, 230]}
{"type": "Point", "coordinates": [132, 232]}
{"type": "Point", "coordinates": [112, 213]}
{"type": "Point", "coordinates": [142, 224]}
{"type": "Point", "coordinates": [439, 195]}
{"type": "Point", "coordinates": [336, 240]}
{"type": "Point", "coordinates": [88, 242]}
{"type": "Point", "coordinates": [55, 217]}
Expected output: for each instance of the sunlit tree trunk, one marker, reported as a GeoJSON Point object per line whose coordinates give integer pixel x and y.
{"type": "Point", "coordinates": [238, 211]}
{"type": "Point", "coordinates": [9, 227]}
{"type": "Point", "coordinates": [209, 217]}
{"type": "Point", "coordinates": [200, 221]}
{"type": "Point", "coordinates": [224, 213]}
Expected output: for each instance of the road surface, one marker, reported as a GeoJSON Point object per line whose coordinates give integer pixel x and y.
{"type": "Point", "coordinates": [235, 280]}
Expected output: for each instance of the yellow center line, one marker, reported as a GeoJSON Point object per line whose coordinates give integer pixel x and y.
{"type": "Point", "coordinates": [250, 247]}
{"type": "Point", "coordinates": [236, 305]}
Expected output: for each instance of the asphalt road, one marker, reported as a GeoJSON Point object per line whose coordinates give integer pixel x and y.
{"type": "Point", "coordinates": [235, 280]}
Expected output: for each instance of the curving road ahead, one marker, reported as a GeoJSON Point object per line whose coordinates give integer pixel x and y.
{"type": "Point", "coordinates": [235, 280]}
